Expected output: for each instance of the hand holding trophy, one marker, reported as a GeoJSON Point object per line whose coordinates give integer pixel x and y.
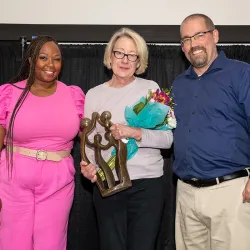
{"type": "Point", "coordinates": [107, 185]}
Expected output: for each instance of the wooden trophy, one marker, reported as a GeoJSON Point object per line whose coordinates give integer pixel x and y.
{"type": "Point", "coordinates": [105, 179]}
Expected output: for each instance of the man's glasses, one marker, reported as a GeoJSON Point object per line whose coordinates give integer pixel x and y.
{"type": "Point", "coordinates": [198, 37]}
{"type": "Point", "coordinates": [120, 55]}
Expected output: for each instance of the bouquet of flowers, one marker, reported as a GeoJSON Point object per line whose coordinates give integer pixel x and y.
{"type": "Point", "coordinates": [155, 111]}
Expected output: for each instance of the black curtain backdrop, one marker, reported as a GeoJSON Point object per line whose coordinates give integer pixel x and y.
{"type": "Point", "coordinates": [83, 66]}
{"type": "Point", "coordinates": [10, 59]}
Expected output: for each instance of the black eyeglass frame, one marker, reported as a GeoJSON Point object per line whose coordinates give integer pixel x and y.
{"type": "Point", "coordinates": [124, 54]}
{"type": "Point", "coordinates": [195, 36]}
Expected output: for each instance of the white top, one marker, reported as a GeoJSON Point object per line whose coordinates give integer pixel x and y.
{"type": "Point", "coordinates": [147, 162]}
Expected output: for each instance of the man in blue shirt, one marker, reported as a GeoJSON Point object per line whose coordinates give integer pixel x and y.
{"type": "Point", "coordinates": [211, 143]}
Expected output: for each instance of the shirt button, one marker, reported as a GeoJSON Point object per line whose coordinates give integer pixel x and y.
{"type": "Point", "coordinates": [189, 130]}
{"type": "Point", "coordinates": [196, 96]}
{"type": "Point", "coordinates": [193, 112]}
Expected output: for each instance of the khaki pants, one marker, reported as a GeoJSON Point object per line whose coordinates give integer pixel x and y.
{"type": "Point", "coordinates": [212, 218]}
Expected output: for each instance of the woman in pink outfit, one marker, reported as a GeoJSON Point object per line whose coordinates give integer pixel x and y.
{"type": "Point", "coordinates": [39, 118]}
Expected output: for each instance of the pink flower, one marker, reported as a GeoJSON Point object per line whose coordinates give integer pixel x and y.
{"type": "Point", "coordinates": [161, 96]}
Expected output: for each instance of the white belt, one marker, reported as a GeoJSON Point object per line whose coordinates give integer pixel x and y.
{"type": "Point", "coordinates": [42, 155]}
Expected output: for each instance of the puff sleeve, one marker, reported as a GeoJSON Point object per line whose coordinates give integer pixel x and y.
{"type": "Point", "coordinates": [5, 100]}
{"type": "Point", "coordinates": [79, 99]}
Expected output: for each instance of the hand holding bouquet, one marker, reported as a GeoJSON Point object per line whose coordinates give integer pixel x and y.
{"type": "Point", "coordinates": [155, 111]}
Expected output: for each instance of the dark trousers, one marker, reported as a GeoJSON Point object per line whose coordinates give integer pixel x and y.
{"type": "Point", "coordinates": [130, 220]}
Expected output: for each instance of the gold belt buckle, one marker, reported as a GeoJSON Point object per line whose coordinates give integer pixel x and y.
{"type": "Point", "coordinates": [41, 155]}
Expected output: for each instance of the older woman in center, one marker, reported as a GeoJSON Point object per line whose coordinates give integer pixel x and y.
{"type": "Point", "coordinates": [129, 219]}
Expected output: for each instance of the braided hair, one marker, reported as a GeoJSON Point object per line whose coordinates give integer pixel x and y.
{"type": "Point", "coordinates": [27, 71]}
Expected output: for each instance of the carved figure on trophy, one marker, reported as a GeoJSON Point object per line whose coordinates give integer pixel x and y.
{"type": "Point", "coordinates": [106, 181]}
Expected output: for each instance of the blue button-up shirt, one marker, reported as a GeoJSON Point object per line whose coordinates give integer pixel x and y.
{"type": "Point", "coordinates": [212, 137]}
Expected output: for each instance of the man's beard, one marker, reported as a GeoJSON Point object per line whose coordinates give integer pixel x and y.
{"type": "Point", "coordinates": [198, 61]}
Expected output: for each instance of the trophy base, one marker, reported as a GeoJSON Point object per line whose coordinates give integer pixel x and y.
{"type": "Point", "coordinates": [108, 191]}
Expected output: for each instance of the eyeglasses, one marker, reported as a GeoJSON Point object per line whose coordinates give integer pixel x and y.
{"type": "Point", "coordinates": [197, 37]}
{"type": "Point", "coordinates": [120, 55]}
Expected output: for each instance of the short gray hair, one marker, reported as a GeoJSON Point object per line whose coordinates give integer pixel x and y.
{"type": "Point", "coordinates": [208, 21]}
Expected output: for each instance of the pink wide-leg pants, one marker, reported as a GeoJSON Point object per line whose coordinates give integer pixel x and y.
{"type": "Point", "coordinates": [36, 202]}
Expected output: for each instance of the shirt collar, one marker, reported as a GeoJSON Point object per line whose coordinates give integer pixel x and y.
{"type": "Point", "coordinates": [217, 64]}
